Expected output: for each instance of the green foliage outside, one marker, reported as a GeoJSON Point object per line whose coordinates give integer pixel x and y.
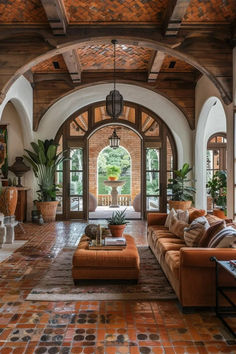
{"type": "Point", "coordinates": [114, 157]}
{"type": "Point", "coordinates": [217, 188]}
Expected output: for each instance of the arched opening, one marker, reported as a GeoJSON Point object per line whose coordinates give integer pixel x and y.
{"type": "Point", "coordinates": [216, 166]}
{"type": "Point", "coordinates": [212, 120]}
{"type": "Point", "coordinates": [107, 159]}
{"type": "Point", "coordinates": [143, 134]}
{"type": "Point", "coordinates": [103, 159]}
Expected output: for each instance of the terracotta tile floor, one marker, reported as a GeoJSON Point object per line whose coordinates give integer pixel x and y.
{"type": "Point", "coordinates": [92, 326]}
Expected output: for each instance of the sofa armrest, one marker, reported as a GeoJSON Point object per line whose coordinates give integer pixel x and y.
{"type": "Point", "coordinates": [156, 218]}
{"type": "Point", "coordinates": [200, 257]}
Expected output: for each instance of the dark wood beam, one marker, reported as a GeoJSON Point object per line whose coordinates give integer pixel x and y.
{"type": "Point", "coordinates": [71, 59]}
{"type": "Point", "coordinates": [174, 15]}
{"type": "Point", "coordinates": [156, 65]}
{"type": "Point", "coordinates": [56, 15]}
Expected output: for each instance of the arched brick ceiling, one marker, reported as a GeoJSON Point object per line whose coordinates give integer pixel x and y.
{"type": "Point", "coordinates": [95, 57]}
{"type": "Point", "coordinates": [100, 58]}
{"type": "Point", "coordinates": [179, 65]}
{"type": "Point", "coordinates": [211, 11]}
{"type": "Point", "coordinates": [115, 10]}
{"type": "Point", "coordinates": [48, 67]}
{"type": "Point", "coordinates": [22, 11]}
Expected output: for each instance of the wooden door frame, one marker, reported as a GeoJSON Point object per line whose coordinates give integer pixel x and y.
{"type": "Point", "coordinates": [164, 132]}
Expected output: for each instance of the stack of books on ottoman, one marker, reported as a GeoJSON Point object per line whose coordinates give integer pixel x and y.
{"type": "Point", "coordinates": [110, 243]}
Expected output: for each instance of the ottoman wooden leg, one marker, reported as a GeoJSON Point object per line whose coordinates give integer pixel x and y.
{"type": "Point", "coordinates": [76, 282]}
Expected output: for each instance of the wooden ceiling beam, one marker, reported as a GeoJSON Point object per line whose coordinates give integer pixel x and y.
{"type": "Point", "coordinates": [56, 15]}
{"type": "Point", "coordinates": [174, 15]}
{"type": "Point", "coordinates": [156, 65]}
{"type": "Point", "coordinates": [72, 61]}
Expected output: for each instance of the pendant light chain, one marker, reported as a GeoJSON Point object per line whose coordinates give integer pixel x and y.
{"type": "Point", "coordinates": [114, 42]}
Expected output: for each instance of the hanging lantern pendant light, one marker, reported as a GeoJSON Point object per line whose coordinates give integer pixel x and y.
{"type": "Point", "coordinates": [114, 140]}
{"type": "Point", "coordinates": [114, 101]}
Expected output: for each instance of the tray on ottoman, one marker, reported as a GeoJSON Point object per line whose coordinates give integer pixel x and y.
{"type": "Point", "coordinates": [99, 264]}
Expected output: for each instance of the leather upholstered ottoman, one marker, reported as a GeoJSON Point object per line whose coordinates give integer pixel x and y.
{"type": "Point", "coordinates": [106, 264]}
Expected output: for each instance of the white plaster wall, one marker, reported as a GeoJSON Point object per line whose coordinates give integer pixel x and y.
{"type": "Point", "coordinates": [172, 116]}
{"type": "Point", "coordinates": [19, 113]}
{"type": "Point", "coordinates": [21, 95]}
{"type": "Point", "coordinates": [211, 116]}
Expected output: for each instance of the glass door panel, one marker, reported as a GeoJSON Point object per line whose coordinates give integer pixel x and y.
{"type": "Point", "coordinates": [152, 179]}
{"type": "Point", "coordinates": [76, 183]}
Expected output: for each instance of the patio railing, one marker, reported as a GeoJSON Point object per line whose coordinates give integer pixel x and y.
{"type": "Point", "coordinates": [105, 199]}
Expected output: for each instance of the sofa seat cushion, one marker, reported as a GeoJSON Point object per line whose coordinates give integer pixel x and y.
{"type": "Point", "coordinates": [172, 259]}
{"type": "Point", "coordinates": [169, 244]}
{"type": "Point", "coordinates": [157, 234]}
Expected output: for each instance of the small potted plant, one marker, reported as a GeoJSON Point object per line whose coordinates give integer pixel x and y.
{"type": "Point", "coordinates": [113, 172]}
{"type": "Point", "coordinates": [182, 191]}
{"type": "Point", "coordinates": [217, 188]}
{"type": "Point", "coordinates": [117, 223]}
{"type": "Point", "coordinates": [44, 161]}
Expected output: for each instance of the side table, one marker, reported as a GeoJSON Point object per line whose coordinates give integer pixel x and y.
{"type": "Point", "coordinates": [222, 312]}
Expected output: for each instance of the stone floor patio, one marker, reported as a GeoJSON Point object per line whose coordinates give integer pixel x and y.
{"type": "Point", "coordinates": [93, 326]}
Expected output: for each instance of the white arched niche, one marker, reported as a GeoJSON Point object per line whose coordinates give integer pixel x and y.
{"type": "Point", "coordinates": [212, 119]}
{"type": "Point", "coordinates": [20, 95]}
{"type": "Point", "coordinates": [165, 109]}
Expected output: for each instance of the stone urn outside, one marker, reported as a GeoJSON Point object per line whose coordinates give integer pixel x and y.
{"type": "Point", "coordinates": [114, 192]}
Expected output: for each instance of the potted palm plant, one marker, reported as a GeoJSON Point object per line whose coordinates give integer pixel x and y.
{"type": "Point", "coordinates": [113, 172]}
{"type": "Point", "coordinates": [117, 223]}
{"type": "Point", "coordinates": [44, 161]}
{"type": "Point", "coordinates": [181, 190]}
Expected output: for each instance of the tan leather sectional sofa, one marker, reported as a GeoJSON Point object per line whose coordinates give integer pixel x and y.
{"type": "Point", "coordinates": [189, 270]}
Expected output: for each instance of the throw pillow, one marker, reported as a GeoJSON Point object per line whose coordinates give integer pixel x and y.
{"type": "Point", "coordinates": [224, 239]}
{"type": "Point", "coordinates": [211, 232]}
{"type": "Point", "coordinates": [196, 213]}
{"type": "Point", "coordinates": [194, 233]}
{"type": "Point", "coordinates": [169, 217]}
{"type": "Point", "coordinates": [177, 227]}
{"type": "Point", "coordinates": [212, 218]}
{"type": "Point", "coordinates": [183, 215]}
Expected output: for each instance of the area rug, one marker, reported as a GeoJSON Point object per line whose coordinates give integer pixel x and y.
{"type": "Point", "coordinates": [7, 249]}
{"type": "Point", "coordinates": [57, 284]}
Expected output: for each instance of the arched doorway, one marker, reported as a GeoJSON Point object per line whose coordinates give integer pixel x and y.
{"type": "Point", "coordinates": [126, 158]}
{"type": "Point", "coordinates": [154, 136]}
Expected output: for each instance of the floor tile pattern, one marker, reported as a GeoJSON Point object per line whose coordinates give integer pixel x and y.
{"type": "Point", "coordinates": [93, 326]}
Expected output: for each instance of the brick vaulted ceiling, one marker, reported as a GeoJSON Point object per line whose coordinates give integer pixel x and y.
{"type": "Point", "coordinates": [92, 61]}
{"type": "Point", "coordinates": [120, 11]}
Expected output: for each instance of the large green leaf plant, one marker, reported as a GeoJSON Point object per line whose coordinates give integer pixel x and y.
{"type": "Point", "coordinates": [44, 161]}
{"type": "Point", "coordinates": [180, 185]}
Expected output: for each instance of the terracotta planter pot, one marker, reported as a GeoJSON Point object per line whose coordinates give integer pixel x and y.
{"type": "Point", "coordinates": [48, 210]}
{"type": "Point", "coordinates": [180, 204]}
{"type": "Point", "coordinates": [8, 201]}
{"type": "Point", "coordinates": [117, 230]}
{"type": "Point", "coordinates": [112, 178]}
{"type": "Point", "coordinates": [219, 213]}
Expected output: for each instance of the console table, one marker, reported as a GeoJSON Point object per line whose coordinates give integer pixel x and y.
{"type": "Point", "coordinates": [222, 312]}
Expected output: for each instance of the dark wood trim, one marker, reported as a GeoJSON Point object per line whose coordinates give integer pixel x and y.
{"type": "Point", "coordinates": [74, 141]}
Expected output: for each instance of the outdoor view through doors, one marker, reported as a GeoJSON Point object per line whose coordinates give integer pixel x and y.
{"type": "Point", "coordinates": [142, 164]}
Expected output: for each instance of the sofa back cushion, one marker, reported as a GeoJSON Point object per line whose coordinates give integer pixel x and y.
{"type": "Point", "coordinates": [169, 217]}
{"type": "Point", "coordinates": [177, 227]}
{"type": "Point", "coordinates": [225, 238]}
{"type": "Point", "coordinates": [182, 215]}
{"type": "Point", "coordinates": [211, 232]}
{"type": "Point", "coordinates": [195, 231]}
{"type": "Point", "coordinates": [196, 213]}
